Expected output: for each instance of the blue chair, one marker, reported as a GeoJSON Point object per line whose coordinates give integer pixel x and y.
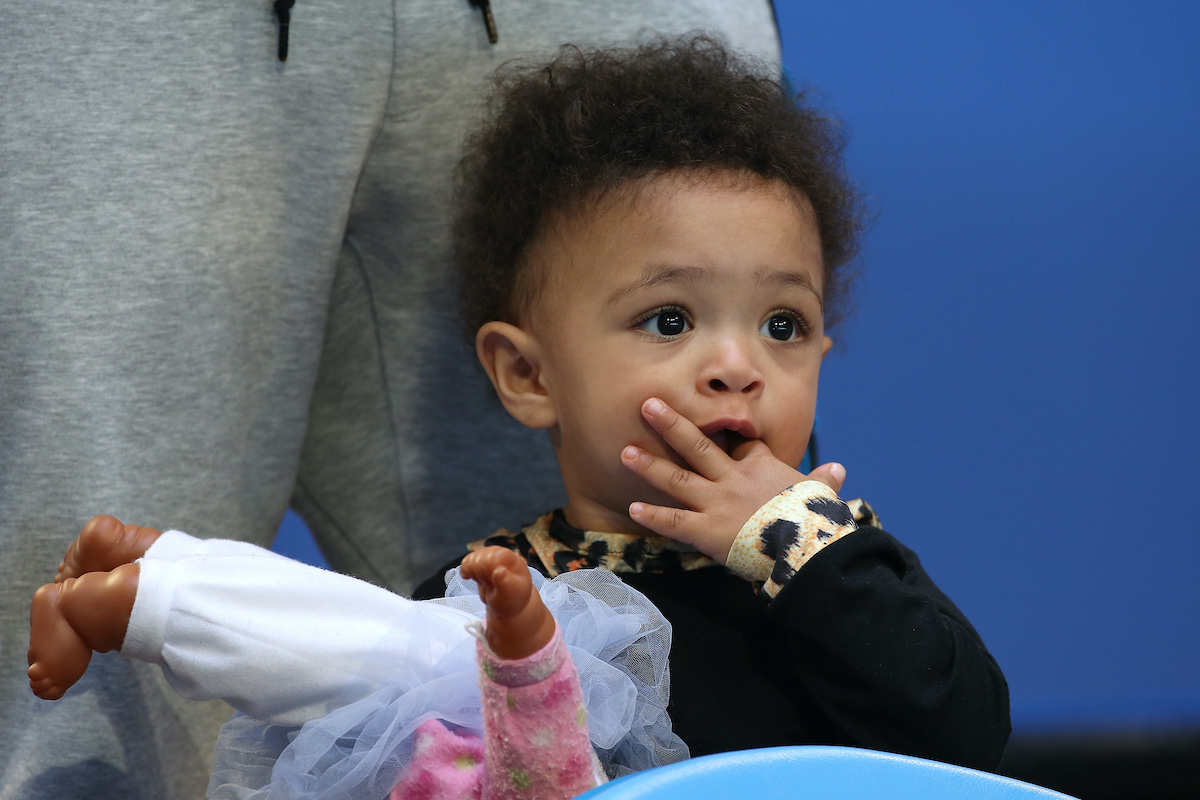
{"type": "Point", "coordinates": [815, 773]}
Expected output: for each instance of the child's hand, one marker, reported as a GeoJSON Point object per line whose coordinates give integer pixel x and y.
{"type": "Point", "coordinates": [721, 494]}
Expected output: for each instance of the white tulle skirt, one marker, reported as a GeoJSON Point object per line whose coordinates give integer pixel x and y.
{"type": "Point", "coordinates": [358, 751]}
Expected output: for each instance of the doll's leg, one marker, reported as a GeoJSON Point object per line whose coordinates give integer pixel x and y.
{"type": "Point", "coordinates": [104, 544]}
{"type": "Point", "coordinates": [534, 717]}
{"type": "Point", "coordinates": [518, 623]}
{"type": "Point", "coordinates": [70, 620]}
{"type": "Point", "coordinates": [87, 607]}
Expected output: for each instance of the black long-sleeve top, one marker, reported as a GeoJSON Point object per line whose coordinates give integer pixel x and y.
{"type": "Point", "coordinates": [857, 646]}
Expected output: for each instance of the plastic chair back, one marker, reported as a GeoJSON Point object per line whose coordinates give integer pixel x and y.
{"type": "Point", "coordinates": [815, 773]}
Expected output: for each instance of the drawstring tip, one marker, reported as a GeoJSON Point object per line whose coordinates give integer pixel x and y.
{"type": "Point", "coordinates": [283, 12]}
{"type": "Point", "coordinates": [489, 22]}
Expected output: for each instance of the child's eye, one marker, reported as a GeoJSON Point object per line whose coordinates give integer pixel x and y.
{"type": "Point", "coordinates": [666, 322]}
{"type": "Point", "coordinates": [784, 327]}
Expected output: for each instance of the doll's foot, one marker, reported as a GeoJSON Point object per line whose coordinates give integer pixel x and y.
{"type": "Point", "coordinates": [518, 623]}
{"type": "Point", "coordinates": [68, 621]}
{"type": "Point", "coordinates": [104, 544]}
{"type": "Point", "coordinates": [58, 657]}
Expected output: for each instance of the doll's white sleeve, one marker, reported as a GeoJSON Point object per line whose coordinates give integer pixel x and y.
{"type": "Point", "coordinates": [278, 640]}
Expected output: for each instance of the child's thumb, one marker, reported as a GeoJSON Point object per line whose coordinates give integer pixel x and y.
{"type": "Point", "coordinates": [832, 475]}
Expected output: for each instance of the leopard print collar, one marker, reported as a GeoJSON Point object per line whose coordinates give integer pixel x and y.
{"type": "Point", "coordinates": [552, 546]}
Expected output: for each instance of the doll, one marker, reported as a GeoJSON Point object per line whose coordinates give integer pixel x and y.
{"type": "Point", "coordinates": [347, 690]}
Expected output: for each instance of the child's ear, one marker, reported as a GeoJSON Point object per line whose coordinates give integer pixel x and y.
{"type": "Point", "coordinates": [825, 346]}
{"type": "Point", "coordinates": [512, 359]}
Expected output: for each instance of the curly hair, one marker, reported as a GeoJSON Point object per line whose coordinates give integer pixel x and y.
{"type": "Point", "coordinates": [559, 134]}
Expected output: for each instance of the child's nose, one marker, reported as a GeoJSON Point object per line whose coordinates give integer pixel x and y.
{"type": "Point", "coordinates": [730, 368]}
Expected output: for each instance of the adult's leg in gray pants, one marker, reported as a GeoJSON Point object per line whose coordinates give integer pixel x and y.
{"type": "Point", "coordinates": [195, 242]}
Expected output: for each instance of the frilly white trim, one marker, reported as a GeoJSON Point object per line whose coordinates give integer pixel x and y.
{"type": "Point", "coordinates": [619, 642]}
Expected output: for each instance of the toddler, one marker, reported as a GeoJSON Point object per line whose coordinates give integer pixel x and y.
{"type": "Point", "coordinates": [652, 244]}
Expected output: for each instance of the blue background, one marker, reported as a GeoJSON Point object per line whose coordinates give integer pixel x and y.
{"type": "Point", "coordinates": [1016, 393]}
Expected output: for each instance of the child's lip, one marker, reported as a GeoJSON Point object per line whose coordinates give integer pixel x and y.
{"type": "Point", "coordinates": [739, 425]}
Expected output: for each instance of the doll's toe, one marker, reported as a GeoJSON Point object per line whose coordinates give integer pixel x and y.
{"type": "Point", "coordinates": [43, 684]}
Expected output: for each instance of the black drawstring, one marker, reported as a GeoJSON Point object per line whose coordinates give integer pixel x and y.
{"type": "Point", "coordinates": [489, 21]}
{"type": "Point", "coordinates": [283, 12]}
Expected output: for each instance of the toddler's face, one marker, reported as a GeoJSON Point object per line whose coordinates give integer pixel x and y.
{"type": "Point", "coordinates": [706, 294]}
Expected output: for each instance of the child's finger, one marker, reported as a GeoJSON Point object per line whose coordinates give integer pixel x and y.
{"type": "Point", "coordinates": [665, 475]}
{"type": "Point", "coordinates": [674, 523]}
{"type": "Point", "coordinates": [686, 439]}
{"type": "Point", "coordinates": [749, 447]}
{"type": "Point", "coordinates": [832, 475]}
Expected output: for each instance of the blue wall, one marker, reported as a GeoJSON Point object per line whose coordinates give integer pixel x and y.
{"type": "Point", "coordinates": [1017, 395]}
{"type": "Point", "coordinates": [1017, 392]}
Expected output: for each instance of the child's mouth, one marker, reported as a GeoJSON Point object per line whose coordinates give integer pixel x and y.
{"type": "Point", "coordinates": [727, 440]}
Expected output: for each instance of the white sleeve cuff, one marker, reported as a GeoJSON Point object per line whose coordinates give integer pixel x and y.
{"type": "Point", "coordinates": [146, 633]}
{"type": "Point", "coordinates": [174, 545]}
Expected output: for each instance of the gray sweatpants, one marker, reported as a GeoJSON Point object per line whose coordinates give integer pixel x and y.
{"type": "Point", "coordinates": [223, 286]}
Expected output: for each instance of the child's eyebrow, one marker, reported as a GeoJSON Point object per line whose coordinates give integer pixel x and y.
{"type": "Point", "coordinates": [657, 275]}
{"type": "Point", "coordinates": [791, 279]}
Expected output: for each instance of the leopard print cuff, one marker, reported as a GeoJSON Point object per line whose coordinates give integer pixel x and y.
{"type": "Point", "coordinates": [786, 532]}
